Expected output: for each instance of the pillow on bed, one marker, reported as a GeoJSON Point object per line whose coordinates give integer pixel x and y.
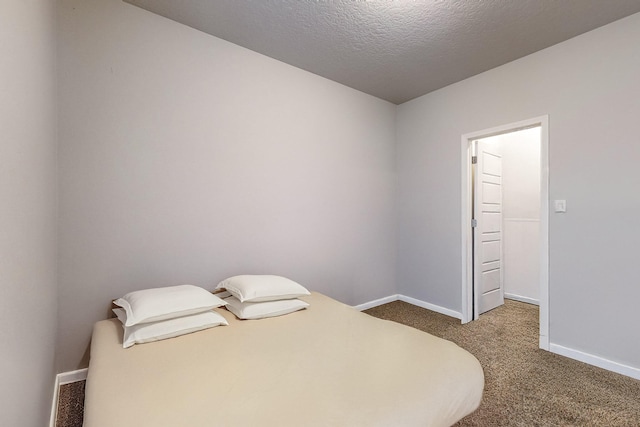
{"type": "Point", "coordinates": [248, 288]}
{"type": "Point", "coordinates": [164, 329]}
{"type": "Point", "coordinates": [152, 305]}
{"type": "Point", "coordinates": [261, 310]}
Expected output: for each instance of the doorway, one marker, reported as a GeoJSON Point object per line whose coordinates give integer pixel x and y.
{"type": "Point", "coordinates": [483, 256]}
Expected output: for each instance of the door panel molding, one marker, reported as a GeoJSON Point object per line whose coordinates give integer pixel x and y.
{"type": "Point", "coordinates": [488, 262]}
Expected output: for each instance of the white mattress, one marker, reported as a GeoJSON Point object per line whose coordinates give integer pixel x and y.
{"type": "Point", "coordinates": [328, 365]}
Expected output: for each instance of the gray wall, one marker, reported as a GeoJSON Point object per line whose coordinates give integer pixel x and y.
{"type": "Point", "coordinates": [187, 159]}
{"type": "Point", "coordinates": [589, 87]}
{"type": "Point", "coordinates": [27, 211]}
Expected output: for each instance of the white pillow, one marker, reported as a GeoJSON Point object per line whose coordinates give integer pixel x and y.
{"type": "Point", "coordinates": [248, 288]}
{"type": "Point", "coordinates": [152, 305]}
{"type": "Point", "coordinates": [155, 331]}
{"type": "Point", "coordinates": [260, 310]}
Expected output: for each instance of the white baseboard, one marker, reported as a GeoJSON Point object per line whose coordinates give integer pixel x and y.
{"type": "Point", "coordinates": [375, 303]}
{"type": "Point", "coordinates": [72, 376]}
{"type": "Point", "coordinates": [598, 361]}
{"type": "Point", "coordinates": [413, 301]}
{"type": "Point", "coordinates": [62, 379]}
{"type": "Point", "coordinates": [54, 403]}
{"type": "Point", "coordinates": [521, 298]}
{"type": "Point", "coordinates": [429, 306]}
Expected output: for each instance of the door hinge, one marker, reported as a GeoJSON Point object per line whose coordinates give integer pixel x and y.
{"type": "Point", "coordinates": [474, 223]}
{"type": "Point", "coordinates": [474, 160]}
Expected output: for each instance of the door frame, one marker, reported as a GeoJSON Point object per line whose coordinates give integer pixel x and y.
{"type": "Point", "coordinates": [467, 215]}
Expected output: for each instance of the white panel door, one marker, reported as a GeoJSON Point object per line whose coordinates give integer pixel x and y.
{"type": "Point", "coordinates": [488, 271]}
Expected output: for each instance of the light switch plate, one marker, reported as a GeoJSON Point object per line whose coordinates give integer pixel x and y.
{"type": "Point", "coordinates": [560, 206]}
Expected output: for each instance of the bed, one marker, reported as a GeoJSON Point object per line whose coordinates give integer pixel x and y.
{"type": "Point", "coordinates": [328, 365]}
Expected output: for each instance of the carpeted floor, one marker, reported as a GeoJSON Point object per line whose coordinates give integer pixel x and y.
{"type": "Point", "coordinates": [70, 405]}
{"type": "Point", "coordinates": [524, 386]}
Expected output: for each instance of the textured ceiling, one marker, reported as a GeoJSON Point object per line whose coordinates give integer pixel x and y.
{"type": "Point", "coordinates": [395, 50]}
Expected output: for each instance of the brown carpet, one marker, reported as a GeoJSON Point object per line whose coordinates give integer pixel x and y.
{"type": "Point", "coordinates": [70, 405]}
{"type": "Point", "coordinates": [524, 386]}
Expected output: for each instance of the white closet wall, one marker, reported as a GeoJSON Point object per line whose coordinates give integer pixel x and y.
{"type": "Point", "coordinates": [521, 217]}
